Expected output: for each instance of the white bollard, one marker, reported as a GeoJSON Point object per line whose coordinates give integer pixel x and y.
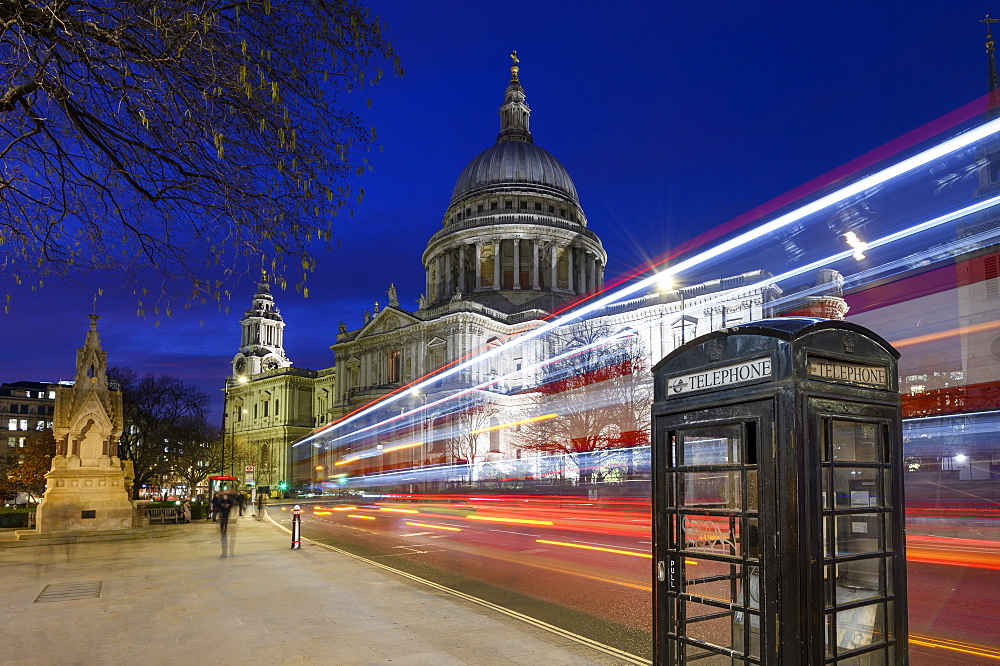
{"type": "Point", "coordinates": [296, 526]}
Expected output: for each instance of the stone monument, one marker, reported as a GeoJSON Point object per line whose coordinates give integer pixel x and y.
{"type": "Point", "coordinates": [85, 490]}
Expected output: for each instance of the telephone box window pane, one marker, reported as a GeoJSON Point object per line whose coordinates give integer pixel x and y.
{"type": "Point", "coordinates": [855, 487]}
{"type": "Point", "coordinates": [714, 445]}
{"type": "Point", "coordinates": [711, 490]}
{"type": "Point", "coordinates": [751, 486]}
{"type": "Point", "coordinates": [828, 535]}
{"type": "Point", "coordinates": [855, 441]}
{"type": "Point", "coordinates": [859, 627]}
{"type": "Point", "coordinates": [876, 658]}
{"type": "Point", "coordinates": [859, 533]}
{"type": "Point", "coordinates": [712, 579]}
{"type": "Point", "coordinates": [709, 534]}
{"type": "Point", "coordinates": [710, 624]}
{"type": "Point", "coordinates": [694, 654]}
{"type": "Point", "coordinates": [858, 580]}
{"type": "Point", "coordinates": [750, 540]}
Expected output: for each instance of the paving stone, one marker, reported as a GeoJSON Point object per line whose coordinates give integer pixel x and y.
{"type": "Point", "coordinates": [173, 599]}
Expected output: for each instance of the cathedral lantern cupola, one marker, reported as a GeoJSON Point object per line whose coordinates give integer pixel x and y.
{"type": "Point", "coordinates": [262, 340]}
{"type": "Point", "coordinates": [514, 237]}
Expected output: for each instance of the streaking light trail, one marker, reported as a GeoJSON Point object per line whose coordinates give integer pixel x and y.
{"type": "Point", "coordinates": [602, 549]}
{"type": "Point", "coordinates": [514, 423]}
{"type": "Point", "coordinates": [762, 231]}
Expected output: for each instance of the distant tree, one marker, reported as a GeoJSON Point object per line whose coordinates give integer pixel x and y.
{"type": "Point", "coordinates": [155, 408]}
{"type": "Point", "coordinates": [470, 430]}
{"type": "Point", "coordinates": [28, 475]}
{"type": "Point", "coordinates": [146, 142]}
{"type": "Point", "coordinates": [196, 450]}
{"type": "Point", "coordinates": [600, 388]}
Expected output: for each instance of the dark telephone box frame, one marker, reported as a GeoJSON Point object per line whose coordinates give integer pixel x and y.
{"type": "Point", "coordinates": [778, 529]}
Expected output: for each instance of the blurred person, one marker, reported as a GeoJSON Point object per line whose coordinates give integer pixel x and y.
{"type": "Point", "coordinates": [225, 505]}
{"type": "Point", "coordinates": [260, 505]}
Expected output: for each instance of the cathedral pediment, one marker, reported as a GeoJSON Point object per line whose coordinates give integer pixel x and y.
{"type": "Point", "coordinates": [386, 321]}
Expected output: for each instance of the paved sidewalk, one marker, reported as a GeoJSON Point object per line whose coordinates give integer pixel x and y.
{"type": "Point", "coordinates": [174, 600]}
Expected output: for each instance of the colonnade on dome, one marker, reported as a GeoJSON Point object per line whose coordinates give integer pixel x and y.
{"type": "Point", "coordinates": [530, 263]}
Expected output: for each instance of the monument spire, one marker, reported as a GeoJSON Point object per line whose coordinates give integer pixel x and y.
{"type": "Point", "coordinates": [993, 102]}
{"type": "Point", "coordinates": [514, 114]}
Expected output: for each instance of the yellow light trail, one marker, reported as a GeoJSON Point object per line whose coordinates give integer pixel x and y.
{"type": "Point", "coordinates": [398, 510]}
{"type": "Point", "coordinates": [347, 460]}
{"type": "Point", "coordinates": [402, 446]}
{"type": "Point", "coordinates": [518, 521]}
{"type": "Point", "coordinates": [941, 335]}
{"type": "Point", "coordinates": [435, 527]}
{"type": "Point", "coordinates": [603, 550]}
{"type": "Point", "coordinates": [945, 644]}
{"type": "Point", "coordinates": [321, 513]}
{"type": "Point", "coordinates": [344, 508]}
{"type": "Point", "coordinates": [354, 515]}
{"type": "Point", "coordinates": [514, 423]}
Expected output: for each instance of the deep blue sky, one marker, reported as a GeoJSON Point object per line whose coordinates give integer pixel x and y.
{"type": "Point", "coordinates": [671, 118]}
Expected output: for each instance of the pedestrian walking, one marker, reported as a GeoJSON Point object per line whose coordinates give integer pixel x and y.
{"type": "Point", "coordinates": [214, 513]}
{"type": "Point", "coordinates": [225, 505]}
{"type": "Point", "coordinates": [240, 501]}
{"type": "Point", "coordinates": [260, 506]}
{"type": "Point", "coordinates": [186, 509]}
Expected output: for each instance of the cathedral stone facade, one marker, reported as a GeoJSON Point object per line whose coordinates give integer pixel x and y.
{"type": "Point", "coordinates": [515, 245]}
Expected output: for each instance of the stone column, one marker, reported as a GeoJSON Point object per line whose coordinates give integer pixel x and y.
{"type": "Point", "coordinates": [448, 289]}
{"type": "Point", "coordinates": [534, 264]}
{"type": "Point", "coordinates": [461, 267]}
{"type": "Point", "coordinates": [517, 263]}
{"type": "Point", "coordinates": [497, 256]}
{"type": "Point", "coordinates": [571, 269]}
{"type": "Point", "coordinates": [554, 260]}
{"type": "Point", "coordinates": [479, 266]}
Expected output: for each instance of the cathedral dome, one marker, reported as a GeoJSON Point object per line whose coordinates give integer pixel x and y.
{"type": "Point", "coordinates": [514, 163]}
{"type": "Point", "coordinates": [514, 237]}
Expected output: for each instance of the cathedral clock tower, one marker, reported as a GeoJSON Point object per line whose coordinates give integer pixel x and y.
{"type": "Point", "coordinates": [261, 343]}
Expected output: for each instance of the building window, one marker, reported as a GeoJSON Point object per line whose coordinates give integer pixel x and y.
{"type": "Point", "coordinates": [551, 209]}
{"type": "Point", "coordinates": [24, 424]}
{"type": "Point", "coordinates": [990, 275]}
{"type": "Point", "coordinates": [562, 212]}
{"type": "Point", "coordinates": [494, 435]}
{"type": "Point", "coordinates": [393, 366]}
{"type": "Point", "coordinates": [493, 205]}
{"type": "Point", "coordinates": [255, 410]}
{"type": "Point", "coordinates": [538, 207]}
{"type": "Point", "coordinates": [266, 407]}
{"type": "Point", "coordinates": [275, 406]}
{"type": "Point", "coordinates": [479, 208]}
{"type": "Point", "coordinates": [562, 268]}
{"type": "Point", "coordinates": [486, 262]}
{"type": "Point", "coordinates": [524, 205]}
{"type": "Point", "coordinates": [508, 205]}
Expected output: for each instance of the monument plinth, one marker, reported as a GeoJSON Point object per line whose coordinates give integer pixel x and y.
{"type": "Point", "coordinates": [87, 488]}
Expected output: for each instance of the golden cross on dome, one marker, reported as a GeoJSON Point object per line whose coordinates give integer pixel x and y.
{"type": "Point", "coordinates": [513, 54]}
{"type": "Point", "coordinates": [989, 32]}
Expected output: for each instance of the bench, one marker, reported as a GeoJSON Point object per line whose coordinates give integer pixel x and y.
{"type": "Point", "coordinates": [163, 515]}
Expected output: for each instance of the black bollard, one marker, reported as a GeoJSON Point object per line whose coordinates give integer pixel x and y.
{"type": "Point", "coordinates": [296, 526]}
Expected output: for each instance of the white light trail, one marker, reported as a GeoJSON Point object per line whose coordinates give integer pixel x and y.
{"type": "Point", "coordinates": [876, 179]}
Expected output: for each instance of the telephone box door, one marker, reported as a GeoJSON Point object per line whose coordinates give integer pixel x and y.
{"type": "Point", "coordinates": [711, 517]}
